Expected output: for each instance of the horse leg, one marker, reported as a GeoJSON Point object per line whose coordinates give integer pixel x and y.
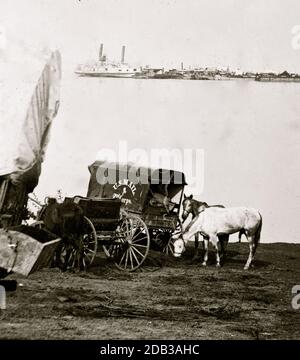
{"type": "Point", "coordinates": [252, 249]}
{"type": "Point", "coordinates": [67, 258]}
{"type": "Point", "coordinates": [205, 243]}
{"type": "Point", "coordinates": [82, 264]}
{"type": "Point", "coordinates": [241, 232]}
{"type": "Point", "coordinates": [196, 246]}
{"type": "Point", "coordinates": [256, 239]}
{"type": "Point", "coordinates": [255, 244]}
{"type": "Point", "coordinates": [56, 261]}
{"type": "Point", "coordinates": [214, 240]}
{"type": "Point", "coordinates": [224, 242]}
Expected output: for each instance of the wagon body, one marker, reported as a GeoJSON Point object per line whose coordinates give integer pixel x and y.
{"type": "Point", "coordinates": [134, 187]}
{"type": "Point", "coordinates": [141, 193]}
{"type": "Point", "coordinates": [103, 213]}
{"type": "Point", "coordinates": [120, 215]}
{"type": "Point", "coordinates": [123, 236]}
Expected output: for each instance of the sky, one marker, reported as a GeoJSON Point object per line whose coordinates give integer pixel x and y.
{"type": "Point", "coordinates": [248, 131]}
{"type": "Point", "coordinates": [251, 35]}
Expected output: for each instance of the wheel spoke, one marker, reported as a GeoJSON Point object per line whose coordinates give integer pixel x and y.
{"type": "Point", "coordinates": [72, 258]}
{"type": "Point", "coordinates": [139, 239]}
{"type": "Point", "coordinates": [130, 257]}
{"type": "Point", "coordinates": [137, 233]}
{"type": "Point", "coordinates": [90, 242]}
{"type": "Point", "coordinates": [141, 246]}
{"type": "Point", "coordinates": [111, 250]}
{"type": "Point", "coordinates": [133, 248]}
{"type": "Point", "coordinates": [115, 250]}
{"type": "Point", "coordinates": [89, 250]}
{"type": "Point", "coordinates": [133, 241]}
{"type": "Point", "coordinates": [127, 229]}
{"type": "Point", "coordinates": [133, 253]}
{"type": "Point", "coordinates": [169, 249]}
{"type": "Point", "coordinates": [126, 259]}
{"type": "Point", "coordinates": [88, 255]}
{"type": "Point", "coordinates": [122, 258]}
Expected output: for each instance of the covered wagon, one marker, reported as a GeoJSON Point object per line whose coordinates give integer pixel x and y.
{"type": "Point", "coordinates": [29, 100]}
{"type": "Point", "coordinates": [127, 210]}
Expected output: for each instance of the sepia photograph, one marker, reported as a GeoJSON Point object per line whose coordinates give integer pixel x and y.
{"type": "Point", "coordinates": [149, 172]}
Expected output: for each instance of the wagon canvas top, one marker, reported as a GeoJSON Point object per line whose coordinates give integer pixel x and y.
{"type": "Point", "coordinates": [132, 183]}
{"type": "Point", "coordinates": [29, 98]}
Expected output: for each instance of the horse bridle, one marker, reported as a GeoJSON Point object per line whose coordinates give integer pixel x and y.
{"type": "Point", "coordinates": [186, 213]}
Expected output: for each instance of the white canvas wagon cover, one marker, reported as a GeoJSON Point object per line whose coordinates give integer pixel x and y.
{"type": "Point", "coordinates": [29, 100]}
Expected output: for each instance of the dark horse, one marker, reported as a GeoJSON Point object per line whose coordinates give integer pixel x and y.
{"type": "Point", "coordinates": [195, 207]}
{"type": "Point", "coordinates": [65, 220]}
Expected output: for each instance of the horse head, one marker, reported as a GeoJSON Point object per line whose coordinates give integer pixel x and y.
{"type": "Point", "coordinates": [179, 247]}
{"type": "Point", "coordinates": [187, 206]}
{"type": "Point", "coordinates": [192, 206]}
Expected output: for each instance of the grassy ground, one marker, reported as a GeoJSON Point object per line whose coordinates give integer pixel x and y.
{"type": "Point", "coordinates": [168, 299]}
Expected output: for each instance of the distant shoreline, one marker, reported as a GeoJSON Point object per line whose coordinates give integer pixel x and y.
{"type": "Point", "coordinates": [189, 75]}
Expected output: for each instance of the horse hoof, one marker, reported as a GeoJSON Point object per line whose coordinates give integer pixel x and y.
{"type": "Point", "coordinates": [246, 267]}
{"type": "Point", "coordinates": [203, 264]}
{"type": "Point", "coordinates": [218, 266]}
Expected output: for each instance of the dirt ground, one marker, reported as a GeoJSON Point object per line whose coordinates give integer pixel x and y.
{"type": "Point", "coordinates": [168, 299]}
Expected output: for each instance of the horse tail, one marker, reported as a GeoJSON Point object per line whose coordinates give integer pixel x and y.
{"type": "Point", "coordinates": [258, 231]}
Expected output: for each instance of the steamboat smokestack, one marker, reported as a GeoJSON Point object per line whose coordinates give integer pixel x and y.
{"type": "Point", "coordinates": [101, 52]}
{"type": "Point", "coordinates": [123, 54]}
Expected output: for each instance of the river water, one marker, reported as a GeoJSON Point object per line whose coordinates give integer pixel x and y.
{"type": "Point", "coordinates": [249, 133]}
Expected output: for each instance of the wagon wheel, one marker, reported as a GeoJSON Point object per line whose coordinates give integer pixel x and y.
{"type": "Point", "coordinates": [131, 245]}
{"type": "Point", "coordinates": [90, 242]}
{"type": "Point", "coordinates": [167, 245]}
{"type": "Point", "coordinates": [82, 252]}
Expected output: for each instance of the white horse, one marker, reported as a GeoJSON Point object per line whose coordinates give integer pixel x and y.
{"type": "Point", "coordinates": [213, 222]}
